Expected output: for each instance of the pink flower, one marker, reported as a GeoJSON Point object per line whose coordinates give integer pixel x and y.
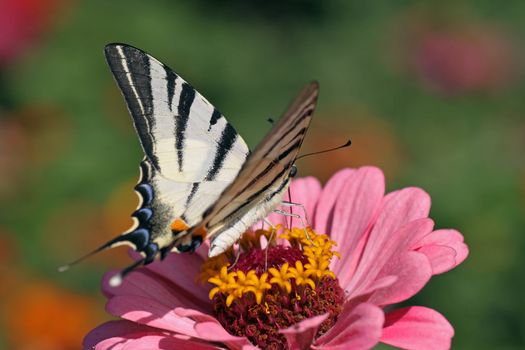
{"type": "Point", "coordinates": [388, 249]}
{"type": "Point", "coordinates": [463, 61]}
{"type": "Point", "coordinates": [22, 23]}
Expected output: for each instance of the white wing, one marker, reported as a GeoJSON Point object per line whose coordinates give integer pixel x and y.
{"type": "Point", "coordinates": [194, 151]}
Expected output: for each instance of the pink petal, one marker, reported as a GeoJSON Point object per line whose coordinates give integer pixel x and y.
{"type": "Point", "coordinates": [108, 290]}
{"type": "Point", "coordinates": [121, 334]}
{"type": "Point", "coordinates": [148, 311]}
{"type": "Point", "coordinates": [381, 256]}
{"type": "Point", "coordinates": [358, 327]}
{"type": "Point", "coordinates": [441, 258]}
{"type": "Point", "coordinates": [120, 329]}
{"type": "Point", "coordinates": [328, 198]}
{"type": "Point", "coordinates": [444, 248]}
{"type": "Point", "coordinates": [179, 269]}
{"type": "Point", "coordinates": [412, 270]}
{"type": "Point", "coordinates": [208, 328]}
{"type": "Point", "coordinates": [301, 335]}
{"type": "Point", "coordinates": [195, 315]}
{"type": "Point", "coordinates": [164, 342]}
{"type": "Point", "coordinates": [145, 283]}
{"type": "Point", "coordinates": [354, 212]}
{"type": "Point", "coordinates": [182, 270]}
{"type": "Point", "coordinates": [155, 341]}
{"type": "Point", "coordinates": [114, 343]}
{"type": "Point", "coordinates": [378, 284]}
{"type": "Point", "coordinates": [305, 191]}
{"type": "Point", "coordinates": [214, 332]}
{"type": "Point", "coordinates": [202, 251]}
{"type": "Point", "coordinates": [399, 208]}
{"type": "Point", "coordinates": [417, 327]}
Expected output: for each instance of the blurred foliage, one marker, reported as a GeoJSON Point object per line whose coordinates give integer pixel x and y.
{"type": "Point", "coordinates": [432, 92]}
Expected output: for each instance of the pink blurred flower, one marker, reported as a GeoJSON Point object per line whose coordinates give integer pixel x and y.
{"type": "Point", "coordinates": [464, 61]}
{"type": "Point", "coordinates": [22, 22]}
{"type": "Point", "coordinates": [452, 55]}
{"type": "Point", "coordinates": [389, 251]}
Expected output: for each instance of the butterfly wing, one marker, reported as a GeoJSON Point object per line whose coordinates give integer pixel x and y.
{"type": "Point", "coordinates": [191, 152]}
{"type": "Point", "coordinates": [262, 181]}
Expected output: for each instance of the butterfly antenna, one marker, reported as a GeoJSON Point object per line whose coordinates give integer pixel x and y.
{"type": "Point", "coordinates": [116, 280]}
{"type": "Point", "coordinates": [347, 144]}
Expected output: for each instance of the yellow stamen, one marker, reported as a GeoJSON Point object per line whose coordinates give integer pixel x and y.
{"type": "Point", "coordinates": [211, 267]}
{"type": "Point", "coordinates": [300, 275]}
{"type": "Point", "coordinates": [296, 234]}
{"type": "Point", "coordinates": [238, 286]}
{"type": "Point", "coordinates": [282, 277]}
{"type": "Point", "coordinates": [258, 285]}
{"type": "Point", "coordinates": [223, 281]}
{"type": "Point", "coordinates": [266, 308]}
{"type": "Point", "coordinates": [318, 268]}
{"type": "Point", "coordinates": [317, 248]}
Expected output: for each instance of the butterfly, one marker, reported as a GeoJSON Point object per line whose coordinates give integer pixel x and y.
{"type": "Point", "coordinates": [198, 179]}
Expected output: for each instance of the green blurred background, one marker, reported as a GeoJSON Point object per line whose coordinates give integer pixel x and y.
{"type": "Point", "coordinates": [432, 92]}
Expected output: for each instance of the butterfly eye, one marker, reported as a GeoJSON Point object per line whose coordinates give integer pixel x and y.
{"type": "Point", "coordinates": [293, 171]}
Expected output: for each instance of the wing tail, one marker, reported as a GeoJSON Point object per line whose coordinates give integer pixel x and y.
{"type": "Point", "coordinates": [123, 239]}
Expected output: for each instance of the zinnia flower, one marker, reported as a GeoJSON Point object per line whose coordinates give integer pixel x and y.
{"type": "Point", "coordinates": [327, 286]}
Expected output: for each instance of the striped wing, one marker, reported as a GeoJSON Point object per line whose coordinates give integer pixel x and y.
{"type": "Point", "coordinates": [259, 186]}
{"type": "Point", "coordinates": [196, 176]}
{"type": "Point", "coordinates": [194, 151]}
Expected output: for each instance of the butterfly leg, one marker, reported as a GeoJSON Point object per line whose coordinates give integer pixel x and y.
{"type": "Point", "coordinates": [265, 221]}
{"type": "Point", "coordinates": [267, 247]}
{"type": "Point", "coordinates": [236, 259]}
{"type": "Point", "coordinates": [296, 216]}
{"type": "Point", "coordinates": [292, 204]}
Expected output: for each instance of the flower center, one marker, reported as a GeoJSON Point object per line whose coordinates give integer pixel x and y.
{"type": "Point", "coordinates": [271, 288]}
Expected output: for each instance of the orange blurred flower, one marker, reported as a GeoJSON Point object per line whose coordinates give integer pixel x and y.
{"type": "Point", "coordinates": [41, 316]}
{"type": "Point", "coordinates": [8, 267]}
{"type": "Point", "coordinates": [93, 224]}
{"type": "Point", "coordinates": [117, 211]}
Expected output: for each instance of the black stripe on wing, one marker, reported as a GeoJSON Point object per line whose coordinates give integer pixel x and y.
{"type": "Point", "coordinates": [187, 96]}
{"type": "Point", "coordinates": [216, 115]}
{"type": "Point", "coordinates": [281, 176]}
{"type": "Point", "coordinates": [131, 69]}
{"type": "Point", "coordinates": [170, 85]}
{"type": "Point", "coordinates": [228, 138]}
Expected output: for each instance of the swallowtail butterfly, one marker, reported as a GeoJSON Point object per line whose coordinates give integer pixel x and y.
{"type": "Point", "coordinates": [198, 179]}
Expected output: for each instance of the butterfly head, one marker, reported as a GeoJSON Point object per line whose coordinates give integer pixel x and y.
{"type": "Point", "coordinates": [293, 171]}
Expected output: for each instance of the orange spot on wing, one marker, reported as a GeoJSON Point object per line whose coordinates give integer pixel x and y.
{"type": "Point", "coordinates": [199, 231]}
{"type": "Point", "coordinates": [179, 225]}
